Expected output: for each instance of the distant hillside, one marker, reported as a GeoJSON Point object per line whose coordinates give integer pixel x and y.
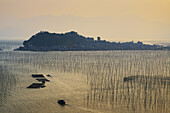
{"type": "Point", "coordinates": [163, 43]}
{"type": "Point", "coordinates": [72, 41]}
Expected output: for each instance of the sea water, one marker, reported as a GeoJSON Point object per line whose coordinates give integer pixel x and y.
{"type": "Point", "coordinates": [88, 81]}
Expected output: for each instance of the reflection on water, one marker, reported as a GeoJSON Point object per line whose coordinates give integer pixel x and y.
{"type": "Point", "coordinates": [147, 92]}
{"type": "Point", "coordinates": [7, 80]}
{"type": "Point", "coordinates": [88, 81]}
{"type": "Point", "coordinates": [142, 94]}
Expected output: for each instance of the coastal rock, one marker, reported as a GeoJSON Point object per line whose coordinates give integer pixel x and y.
{"type": "Point", "coordinates": [61, 102]}
{"type": "Point", "coordinates": [129, 78]}
{"type": "Point", "coordinates": [36, 85]}
{"type": "Point", "coordinates": [40, 78]}
{"type": "Point", "coordinates": [43, 80]}
{"type": "Point", "coordinates": [49, 75]}
{"type": "Point", "coordinates": [37, 75]}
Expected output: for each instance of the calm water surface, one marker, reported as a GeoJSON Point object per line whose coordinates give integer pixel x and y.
{"type": "Point", "coordinates": [91, 82]}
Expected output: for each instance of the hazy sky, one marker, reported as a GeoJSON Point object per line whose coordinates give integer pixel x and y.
{"type": "Point", "coordinates": [111, 19]}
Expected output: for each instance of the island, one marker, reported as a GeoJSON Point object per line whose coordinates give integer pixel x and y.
{"type": "Point", "coordinates": [72, 41]}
